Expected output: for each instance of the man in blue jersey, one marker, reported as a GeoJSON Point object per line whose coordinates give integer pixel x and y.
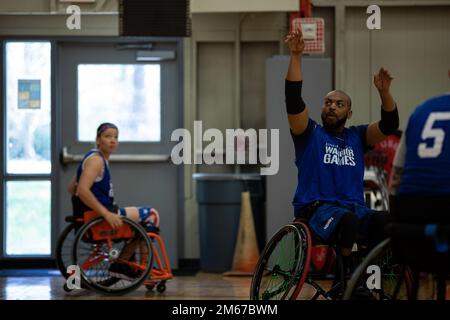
{"type": "Point", "coordinates": [421, 174]}
{"type": "Point", "coordinates": [330, 158]}
{"type": "Point", "coordinates": [421, 182]}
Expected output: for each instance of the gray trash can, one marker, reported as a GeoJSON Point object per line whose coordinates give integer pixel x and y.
{"type": "Point", "coordinates": [219, 202]}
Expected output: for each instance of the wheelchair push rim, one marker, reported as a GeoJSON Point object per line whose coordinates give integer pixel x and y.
{"type": "Point", "coordinates": [283, 265]}
{"type": "Point", "coordinates": [64, 256]}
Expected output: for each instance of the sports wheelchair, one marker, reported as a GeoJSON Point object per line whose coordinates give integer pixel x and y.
{"type": "Point", "coordinates": [98, 250]}
{"type": "Point", "coordinates": [419, 241]}
{"type": "Point", "coordinates": [283, 271]}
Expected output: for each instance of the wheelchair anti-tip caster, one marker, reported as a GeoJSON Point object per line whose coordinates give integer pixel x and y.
{"type": "Point", "coordinates": [161, 287]}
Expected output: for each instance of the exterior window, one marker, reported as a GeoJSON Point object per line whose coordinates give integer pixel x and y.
{"type": "Point", "coordinates": [127, 95]}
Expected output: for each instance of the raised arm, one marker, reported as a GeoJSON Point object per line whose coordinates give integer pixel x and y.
{"type": "Point", "coordinates": [379, 130]}
{"type": "Point", "coordinates": [297, 113]}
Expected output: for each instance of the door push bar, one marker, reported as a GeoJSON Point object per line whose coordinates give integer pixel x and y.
{"type": "Point", "coordinates": [66, 157]}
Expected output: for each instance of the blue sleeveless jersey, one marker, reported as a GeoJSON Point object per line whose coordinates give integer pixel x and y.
{"type": "Point", "coordinates": [427, 141]}
{"type": "Point", "coordinates": [330, 166]}
{"type": "Point", "coordinates": [103, 189]}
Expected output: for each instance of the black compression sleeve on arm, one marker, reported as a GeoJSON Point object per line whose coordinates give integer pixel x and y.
{"type": "Point", "coordinates": [293, 95]}
{"type": "Point", "coordinates": [389, 121]}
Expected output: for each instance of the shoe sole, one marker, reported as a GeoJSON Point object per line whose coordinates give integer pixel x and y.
{"type": "Point", "coordinates": [121, 276]}
{"type": "Point", "coordinates": [108, 282]}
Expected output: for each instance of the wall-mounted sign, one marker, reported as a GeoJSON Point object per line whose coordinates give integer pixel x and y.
{"type": "Point", "coordinates": [29, 94]}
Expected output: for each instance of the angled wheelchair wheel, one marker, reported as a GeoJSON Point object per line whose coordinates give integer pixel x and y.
{"type": "Point", "coordinates": [64, 257]}
{"type": "Point", "coordinates": [380, 277]}
{"type": "Point", "coordinates": [113, 261]}
{"type": "Point", "coordinates": [283, 265]}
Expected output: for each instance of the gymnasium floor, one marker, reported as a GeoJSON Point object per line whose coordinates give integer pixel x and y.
{"type": "Point", "coordinates": [202, 286]}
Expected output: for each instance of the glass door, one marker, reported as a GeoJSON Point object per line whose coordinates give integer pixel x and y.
{"type": "Point", "coordinates": [107, 81]}
{"type": "Point", "coordinates": [26, 163]}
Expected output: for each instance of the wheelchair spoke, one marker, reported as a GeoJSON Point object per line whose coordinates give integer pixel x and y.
{"type": "Point", "coordinates": [393, 284]}
{"type": "Point", "coordinates": [278, 271]}
{"type": "Point", "coordinates": [267, 295]}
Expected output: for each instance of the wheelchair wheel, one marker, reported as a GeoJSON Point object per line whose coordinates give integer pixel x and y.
{"type": "Point", "coordinates": [395, 279]}
{"type": "Point", "coordinates": [64, 257]}
{"type": "Point", "coordinates": [283, 265]}
{"type": "Point", "coordinates": [113, 261]}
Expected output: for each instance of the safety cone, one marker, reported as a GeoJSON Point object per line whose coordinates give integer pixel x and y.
{"type": "Point", "coordinates": [246, 252]}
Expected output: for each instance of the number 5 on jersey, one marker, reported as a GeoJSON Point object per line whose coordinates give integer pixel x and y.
{"type": "Point", "coordinates": [437, 134]}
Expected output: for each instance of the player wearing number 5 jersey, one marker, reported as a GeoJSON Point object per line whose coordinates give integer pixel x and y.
{"type": "Point", "coordinates": [421, 174]}
{"type": "Point", "coordinates": [422, 162]}
{"type": "Point", "coordinates": [420, 212]}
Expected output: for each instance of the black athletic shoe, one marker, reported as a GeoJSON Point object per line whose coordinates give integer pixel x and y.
{"type": "Point", "coordinates": [150, 227]}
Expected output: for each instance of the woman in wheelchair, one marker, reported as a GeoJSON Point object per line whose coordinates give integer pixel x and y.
{"type": "Point", "coordinates": [92, 189]}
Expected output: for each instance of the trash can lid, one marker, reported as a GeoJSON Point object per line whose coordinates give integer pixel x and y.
{"type": "Point", "coordinates": [226, 176]}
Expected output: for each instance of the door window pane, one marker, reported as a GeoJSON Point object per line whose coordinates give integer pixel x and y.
{"type": "Point", "coordinates": [28, 217]}
{"type": "Point", "coordinates": [28, 107]}
{"type": "Point", "coordinates": [127, 95]}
